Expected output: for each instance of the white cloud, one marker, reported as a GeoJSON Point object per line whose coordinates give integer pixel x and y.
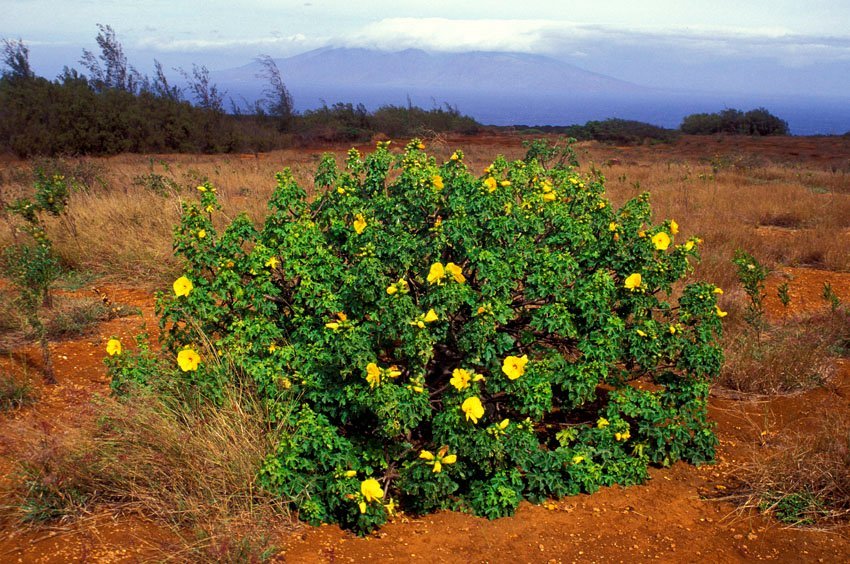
{"type": "Point", "coordinates": [289, 44]}
{"type": "Point", "coordinates": [565, 37]}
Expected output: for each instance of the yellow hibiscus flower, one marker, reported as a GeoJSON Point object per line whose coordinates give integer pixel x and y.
{"type": "Point", "coordinates": [473, 409]}
{"type": "Point", "coordinates": [371, 490]}
{"type": "Point", "coordinates": [437, 181]}
{"type": "Point", "coordinates": [514, 366]}
{"type": "Point", "coordinates": [456, 272]}
{"type": "Point", "coordinates": [490, 184]}
{"type": "Point", "coordinates": [674, 227]}
{"type": "Point", "coordinates": [188, 360]}
{"type": "Point", "coordinates": [359, 223]}
{"type": "Point", "coordinates": [460, 378]}
{"type": "Point", "coordinates": [182, 286]}
{"type": "Point", "coordinates": [436, 274]}
{"type": "Point", "coordinates": [373, 374]}
{"type": "Point", "coordinates": [633, 281]}
{"type": "Point", "coordinates": [661, 241]}
{"type": "Point", "coordinates": [113, 347]}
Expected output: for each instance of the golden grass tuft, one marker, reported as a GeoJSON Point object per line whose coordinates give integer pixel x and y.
{"type": "Point", "coordinates": [806, 480]}
{"type": "Point", "coordinates": [192, 468]}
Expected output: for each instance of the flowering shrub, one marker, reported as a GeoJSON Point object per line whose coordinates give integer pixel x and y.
{"type": "Point", "coordinates": [437, 339]}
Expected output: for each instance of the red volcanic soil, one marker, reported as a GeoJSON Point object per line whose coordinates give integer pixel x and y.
{"type": "Point", "coordinates": [680, 515]}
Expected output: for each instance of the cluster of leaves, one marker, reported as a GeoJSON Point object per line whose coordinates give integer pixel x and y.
{"type": "Point", "coordinates": [735, 122]}
{"type": "Point", "coordinates": [440, 339]}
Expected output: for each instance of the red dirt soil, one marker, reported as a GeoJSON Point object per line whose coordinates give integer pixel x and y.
{"type": "Point", "coordinates": [677, 516]}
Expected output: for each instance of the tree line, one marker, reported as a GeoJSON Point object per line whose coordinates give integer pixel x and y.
{"type": "Point", "coordinates": [110, 107]}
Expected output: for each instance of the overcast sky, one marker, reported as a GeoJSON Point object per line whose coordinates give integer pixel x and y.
{"type": "Point", "coordinates": [653, 42]}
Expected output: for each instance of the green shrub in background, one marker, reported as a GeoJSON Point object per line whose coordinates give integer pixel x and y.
{"type": "Point", "coordinates": [438, 339]}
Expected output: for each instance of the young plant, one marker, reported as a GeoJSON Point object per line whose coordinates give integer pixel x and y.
{"type": "Point", "coordinates": [438, 339]}
{"type": "Point", "coordinates": [752, 275]}
{"type": "Point", "coordinates": [30, 263]}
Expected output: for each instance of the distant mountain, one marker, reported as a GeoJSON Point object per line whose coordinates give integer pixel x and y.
{"type": "Point", "coordinates": [419, 73]}
{"type": "Point", "coordinates": [504, 89]}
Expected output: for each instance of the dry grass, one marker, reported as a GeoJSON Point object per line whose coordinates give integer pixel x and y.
{"type": "Point", "coordinates": [806, 481]}
{"type": "Point", "coordinates": [795, 356]}
{"type": "Point", "coordinates": [16, 391]}
{"type": "Point", "coordinates": [770, 204]}
{"type": "Point", "coordinates": [192, 468]}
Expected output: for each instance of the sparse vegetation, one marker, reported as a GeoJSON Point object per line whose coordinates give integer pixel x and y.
{"type": "Point", "coordinates": [15, 391]}
{"type": "Point", "coordinates": [805, 480]}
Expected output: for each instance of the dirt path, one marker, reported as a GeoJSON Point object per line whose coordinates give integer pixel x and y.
{"type": "Point", "coordinates": [674, 517]}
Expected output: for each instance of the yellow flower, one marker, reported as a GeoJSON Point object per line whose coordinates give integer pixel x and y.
{"type": "Point", "coordinates": [490, 184]}
{"type": "Point", "coordinates": [362, 506]}
{"type": "Point", "coordinates": [450, 459]}
{"type": "Point", "coordinates": [473, 409]}
{"type": "Point", "coordinates": [514, 366]}
{"type": "Point", "coordinates": [272, 347]}
{"type": "Point", "coordinates": [633, 281]}
{"type": "Point", "coordinates": [549, 197]}
{"type": "Point", "coordinates": [438, 467]}
{"type": "Point", "coordinates": [504, 424]}
{"type": "Point", "coordinates": [437, 181]}
{"type": "Point", "coordinates": [456, 272]}
{"type": "Point", "coordinates": [390, 507]}
{"type": "Point", "coordinates": [612, 226]}
{"type": "Point", "coordinates": [641, 333]}
{"type": "Point", "coordinates": [350, 473]}
{"type": "Point", "coordinates": [674, 227]}
{"type": "Point", "coordinates": [436, 274]}
{"type": "Point", "coordinates": [373, 374]}
{"type": "Point", "coordinates": [202, 233]}
{"type": "Point", "coordinates": [718, 291]}
{"type": "Point", "coordinates": [393, 371]}
{"type": "Point", "coordinates": [720, 312]}
{"type": "Point", "coordinates": [202, 188]}
{"type": "Point", "coordinates": [460, 378]}
{"type": "Point", "coordinates": [455, 156]}
{"type": "Point", "coordinates": [332, 325]}
{"type": "Point", "coordinates": [641, 234]}
{"type": "Point", "coordinates": [672, 330]}
{"type": "Point", "coordinates": [426, 455]}
{"type": "Point", "coordinates": [182, 286]}
{"type": "Point", "coordinates": [113, 347]}
{"type": "Point", "coordinates": [400, 286]}
{"type": "Point", "coordinates": [210, 208]}
{"type": "Point", "coordinates": [359, 223]}
{"type": "Point", "coordinates": [272, 263]}
{"type": "Point", "coordinates": [371, 489]}
{"type": "Point", "coordinates": [624, 436]}
{"type": "Point", "coordinates": [577, 459]}
{"type": "Point", "coordinates": [420, 146]}
{"type": "Point", "coordinates": [392, 289]}
{"type": "Point", "coordinates": [601, 423]}
{"type": "Point", "coordinates": [188, 360]}
{"type": "Point", "coordinates": [505, 183]}
{"type": "Point", "coordinates": [689, 245]}
{"type": "Point", "coordinates": [431, 316]}
{"type": "Point", "coordinates": [661, 241]}
{"type": "Point", "coordinates": [340, 190]}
